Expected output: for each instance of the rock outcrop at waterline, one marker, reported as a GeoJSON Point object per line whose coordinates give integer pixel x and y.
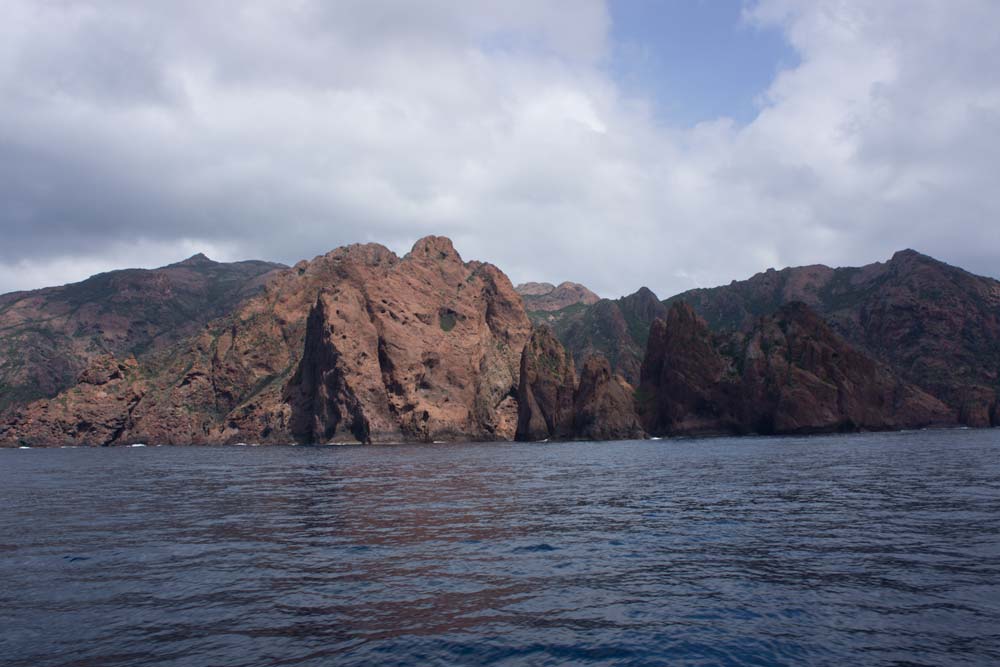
{"type": "Point", "coordinates": [545, 393]}
{"type": "Point", "coordinates": [551, 405]}
{"type": "Point", "coordinates": [789, 374]}
{"type": "Point", "coordinates": [604, 406]}
{"type": "Point", "coordinates": [358, 344]}
{"type": "Point", "coordinates": [95, 412]}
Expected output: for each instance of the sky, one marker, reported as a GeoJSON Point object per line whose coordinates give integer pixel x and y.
{"type": "Point", "coordinates": [672, 144]}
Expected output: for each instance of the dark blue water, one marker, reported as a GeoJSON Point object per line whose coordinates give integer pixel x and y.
{"type": "Point", "coordinates": [871, 549]}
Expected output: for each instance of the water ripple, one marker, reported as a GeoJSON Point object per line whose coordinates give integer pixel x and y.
{"type": "Point", "coordinates": [870, 549]}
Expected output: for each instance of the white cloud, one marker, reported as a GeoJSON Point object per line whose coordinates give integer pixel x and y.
{"type": "Point", "coordinates": [280, 130]}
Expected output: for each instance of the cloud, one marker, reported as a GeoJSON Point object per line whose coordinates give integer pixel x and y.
{"type": "Point", "coordinates": [136, 133]}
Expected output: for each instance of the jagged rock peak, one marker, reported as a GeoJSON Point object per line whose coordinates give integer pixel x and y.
{"type": "Point", "coordinates": [681, 313]}
{"type": "Point", "coordinates": [534, 289]}
{"type": "Point", "coordinates": [906, 253]}
{"type": "Point", "coordinates": [435, 248]}
{"type": "Point", "coordinates": [907, 260]}
{"type": "Point", "coordinates": [643, 304]}
{"type": "Point", "coordinates": [369, 254]}
{"type": "Point", "coordinates": [643, 293]}
{"type": "Point", "coordinates": [199, 259]}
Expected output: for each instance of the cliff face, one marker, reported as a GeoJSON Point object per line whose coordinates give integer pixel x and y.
{"type": "Point", "coordinates": [790, 373]}
{"type": "Point", "coordinates": [50, 336]}
{"type": "Point", "coordinates": [686, 385]}
{"type": "Point", "coordinates": [553, 406]}
{"type": "Point", "coordinates": [545, 394]}
{"type": "Point", "coordinates": [358, 344]}
{"type": "Point", "coordinates": [323, 403]}
{"type": "Point", "coordinates": [94, 412]}
{"type": "Point", "coordinates": [935, 325]}
{"type": "Point", "coordinates": [616, 329]}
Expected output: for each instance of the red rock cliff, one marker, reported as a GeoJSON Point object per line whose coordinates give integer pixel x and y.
{"type": "Point", "coordinates": [358, 344]}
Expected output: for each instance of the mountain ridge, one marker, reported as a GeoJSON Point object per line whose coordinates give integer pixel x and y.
{"type": "Point", "coordinates": [50, 335]}
{"type": "Point", "coordinates": [937, 325]}
{"type": "Point", "coordinates": [362, 345]}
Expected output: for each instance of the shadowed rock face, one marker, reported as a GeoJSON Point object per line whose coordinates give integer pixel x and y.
{"type": "Point", "coordinates": [552, 406]}
{"type": "Point", "coordinates": [789, 374]}
{"type": "Point", "coordinates": [686, 385]}
{"type": "Point", "coordinates": [798, 370]}
{"type": "Point", "coordinates": [604, 406]}
{"type": "Point", "coordinates": [545, 394]}
{"type": "Point", "coordinates": [358, 344]}
{"type": "Point", "coordinates": [935, 325]}
{"type": "Point", "coordinates": [324, 407]}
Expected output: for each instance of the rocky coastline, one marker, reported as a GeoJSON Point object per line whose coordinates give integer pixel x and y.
{"type": "Point", "coordinates": [363, 346]}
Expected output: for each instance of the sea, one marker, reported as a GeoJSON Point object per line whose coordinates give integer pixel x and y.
{"type": "Point", "coordinates": [867, 549]}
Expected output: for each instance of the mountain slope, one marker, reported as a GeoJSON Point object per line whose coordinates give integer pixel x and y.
{"type": "Point", "coordinates": [49, 336]}
{"type": "Point", "coordinates": [936, 325]}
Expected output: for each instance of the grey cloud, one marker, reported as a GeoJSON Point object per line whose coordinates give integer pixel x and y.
{"type": "Point", "coordinates": [136, 132]}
